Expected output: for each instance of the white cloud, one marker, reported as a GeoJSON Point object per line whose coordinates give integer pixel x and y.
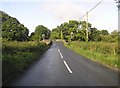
{"type": "Point", "coordinates": [64, 11]}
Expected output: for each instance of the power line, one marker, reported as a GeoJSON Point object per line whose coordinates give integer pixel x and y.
{"type": "Point", "coordinates": [87, 19]}
{"type": "Point", "coordinates": [91, 9]}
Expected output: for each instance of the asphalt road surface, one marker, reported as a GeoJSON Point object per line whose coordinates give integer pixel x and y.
{"type": "Point", "coordinates": [60, 66]}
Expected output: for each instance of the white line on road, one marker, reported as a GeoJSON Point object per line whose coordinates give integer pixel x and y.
{"type": "Point", "coordinates": [61, 55]}
{"type": "Point", "coordinates": [58, 50]}
{"type": "Point", "coordinates": [67, 66]}
{"type": "Point", "coordinates": [65, 62]}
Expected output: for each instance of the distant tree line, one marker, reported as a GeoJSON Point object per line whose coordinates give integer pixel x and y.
{"type": "Point", "coordinates": [13, 30]}
{"type": "Point", "coordinates": [76, 31]}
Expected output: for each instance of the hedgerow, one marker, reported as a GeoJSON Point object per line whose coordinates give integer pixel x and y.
{"type": "Point", "coordinates": [17, 56]}
{"type": "Point", "coordinates": [102, 52]}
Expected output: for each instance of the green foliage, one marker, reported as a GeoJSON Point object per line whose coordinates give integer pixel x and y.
{"type": "Point", "coordinates": [55, 35]}
{"type": "Point", "coordinates": [70, 31]}
{"type": "Point", "coordinates": [105, 53]}
{"type": "Point", "coordinates": [39, 31]}
{"type": "Point", "coordinates": [12, 29]}
{"type": "Point", "coordinates": [113, 37]}
{"type": "Point", "coordinates": [100, 47]}
{"type": "Point", "coordinates": [104, 32]}
{"type": "Point", "coordinates": [78, 30]}
{"type": "Point", "coordinates": [94, 35]}
{"type": "Point", "coordinates": [80, 34]}
{"type": "Point", "coordinates": [107, 38]}
{"type": "Point", "coordinates": [83, 25]}
{"type": "Point", "coordinates": [17, 56]}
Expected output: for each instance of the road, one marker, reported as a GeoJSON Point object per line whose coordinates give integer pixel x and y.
{"type": "Point", "coordinates": [60, 66]}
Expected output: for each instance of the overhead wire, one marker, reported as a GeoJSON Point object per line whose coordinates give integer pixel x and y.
{"type": "Point", "coordinates": [91, 9]}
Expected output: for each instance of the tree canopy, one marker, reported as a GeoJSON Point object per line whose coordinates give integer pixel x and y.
{"type": "Point", "coordinates": [76, 31]}
{"type": "Point", "coordinates": [72, 30]}
{"type": "Point", "coordinates": [12, 29]}
{"type": "Point", "coordinates": [40, 30]}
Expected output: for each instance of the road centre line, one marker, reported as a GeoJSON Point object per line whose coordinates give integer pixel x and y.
{"type": "Point", "coordinates": [61, 55]}
{"type": "Point", "coordinates": [58, 50]}
{"type": "Point", "coordinates": [65, 62]}
{"type": "Point", "coordinates": [67, 66]}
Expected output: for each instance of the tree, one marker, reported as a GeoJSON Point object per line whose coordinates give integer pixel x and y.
{"type": "Point", "coordinates": [12, 29]}
{"type": "Point", "coordinates": [83, 25]}
{"type": "Point", "coordinates": [94, 35]}
{"type": "Point", "coordinates": [115, 35]}
{"type": "Point", "coordinates": [107, 38]}
{"type": "Point", "coordinates": [81, 32]}
{"type": "Point", "coordinates": [81, 35]}
{"type": "Point", "coordinates": [39, 31]}
{"type": "Point", "coordinates": [104, 32]}
{"type": "Point", "coordinates": [71, 31]}
{"type": "Point", "coordinates": [56, 34]}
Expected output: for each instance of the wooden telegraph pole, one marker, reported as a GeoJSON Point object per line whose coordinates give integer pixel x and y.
{"type": "Point", "coordinates": [87, 27]}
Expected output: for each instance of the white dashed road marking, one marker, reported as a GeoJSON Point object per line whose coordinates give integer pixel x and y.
{"type": "Point", "coordinates": [65, 62]}
{"type": "Point", "coordinates": [67, 66]}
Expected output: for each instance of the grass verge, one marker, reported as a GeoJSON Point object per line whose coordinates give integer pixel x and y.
{"type": "Point", "coordinates": [110, 60]}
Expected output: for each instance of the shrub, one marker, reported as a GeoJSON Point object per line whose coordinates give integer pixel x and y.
{"type": "Point", "coordinates": [101, 47]}
{"type": "Point", "coordinates": [102, 52]}
{"type": "Point", "coordinates": [17, 56]}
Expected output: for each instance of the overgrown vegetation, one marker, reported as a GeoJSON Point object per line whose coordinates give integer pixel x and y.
{"type": "Point", "coordinates": [76, 31]}
{"type": "Point", "coordinates": [12, 29]}
{"type": "Point", "coordinates": [105, 53]}
{"type": "Point", "coordinates": [17, 56]}
{"type": "Point", "coordinates": [98, 45]}
{"type": "Point", "coordinates": [19, 49]}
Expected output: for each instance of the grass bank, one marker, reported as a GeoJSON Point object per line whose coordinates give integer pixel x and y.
{"type": "Point", "coordinates": [101, 52]}
{"type": "Point", "coordinates": [17, 56]}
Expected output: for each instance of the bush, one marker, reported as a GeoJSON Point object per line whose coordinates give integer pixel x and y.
{"type": "Point", "coordinates": [17, 56]}
{"type": "Point", "coordinates": [100, 47]}
{"type": "Point", "coordinates": [102, 52]}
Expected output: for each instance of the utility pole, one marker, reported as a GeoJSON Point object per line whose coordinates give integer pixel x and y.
{"type": "Point", "coordinates": [61, 35]}
{"type": "Point", "coordinates": [118, 15]}
{"type": "Point", "coordinates": [71, 36]}
{"type": "Point", "coordinates": [87, 27]}
{"type": "Point", "coordinates": [118, 5]}
{"type": "Point", "coordinates": [87, 18]}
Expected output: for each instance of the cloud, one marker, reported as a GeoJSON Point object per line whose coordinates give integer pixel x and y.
{"type": "Point", "coordinates": [64, 11]}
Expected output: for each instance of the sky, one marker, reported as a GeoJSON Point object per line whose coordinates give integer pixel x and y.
{"type": "Point", "coordinates": [52, 13]}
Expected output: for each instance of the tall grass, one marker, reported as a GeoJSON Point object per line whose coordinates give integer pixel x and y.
{"type": "Point", "coordinates": [17, 56]}
{"type": "Point", "coordinates": [102, 52]}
